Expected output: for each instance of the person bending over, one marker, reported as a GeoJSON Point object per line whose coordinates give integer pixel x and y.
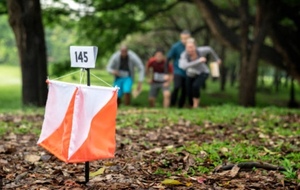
{"type": "Point", "coordinates": [159, 79]}
{"type": "Point", "coordinates": [193, 61]}
{"type": "Point", "coordinates": [179, 78]}
{"type": "Point", "coordinates": [122, 65]}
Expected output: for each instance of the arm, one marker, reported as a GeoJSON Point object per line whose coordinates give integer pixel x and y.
{"type": "Point", "coordinates": [208, 50]}
{"type": "Point", "coordinates": [111, 64]}
{"type": "Point", "coordinates": [170, 56]}
{"type": "Point", "coordinates": [148, 66]}
{"type": "Point", "coordinates": [139, 64]}
{"type": "Point", "coordinates": [167, 63]}
{"type": "Point", "coordinates": [184, 63]}
{"type": "Point", "coordinates": [169, 76]}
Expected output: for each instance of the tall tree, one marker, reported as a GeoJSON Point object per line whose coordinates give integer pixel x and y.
{"type": "Point", "coordinates": [26, 21]}
{"type": "Point", "coordinates": [249, 39]}
{"type": "Point", "coordinates": [250, 50]}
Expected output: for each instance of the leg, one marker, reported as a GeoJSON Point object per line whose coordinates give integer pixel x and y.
{"type": "Point", "coordinates": [119, 83]}
{"type": "Point", "coordinates": [119, 101]}
{"type": "Point", "coordinates": [154, 88]}
{"type": "Point", "coordinates": [176, 87]}
{"type": "Point", "coordinates": [127, 86]}
{"type": "Point", "coordinates": [183, 92]}
{"type": "Point", "coordinates": [189, 90]}
{"type": "Point", "coordinates": [196, 102]}
{"type": "Point", "coordinates": [151, 102]}
{"type": "Point", "coordinates": [127, 97]}
{"type": "Point", "coordinates": [196, 86]}
{"type": "Point", "coordinates": [166, 96]}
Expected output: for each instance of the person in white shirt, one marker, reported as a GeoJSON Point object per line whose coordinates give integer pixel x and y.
{"type": "Point", "coordinates": [193, 61]}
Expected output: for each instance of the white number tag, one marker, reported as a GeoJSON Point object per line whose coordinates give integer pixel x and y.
{"type": "Point", "coordinates": [123, 73]}
{"type": "Point", "coordinates": [214, 69]}
{"type": "Point", "coordinates": [159, 77]}
{"type": "Point", "coordinates": [83, 56]}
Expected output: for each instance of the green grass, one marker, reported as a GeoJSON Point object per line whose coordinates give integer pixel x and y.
{"type": "Point", "coordinates": [219, 111]}
{"type": "Point", "coordinates": [10, 87]}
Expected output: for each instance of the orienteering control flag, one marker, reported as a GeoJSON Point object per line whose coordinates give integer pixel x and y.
{"type": "Point", "coordinates": [79, 122]}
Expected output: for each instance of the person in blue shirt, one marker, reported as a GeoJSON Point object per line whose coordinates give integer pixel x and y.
{"type": "Point", "coordinates": [179, 79]}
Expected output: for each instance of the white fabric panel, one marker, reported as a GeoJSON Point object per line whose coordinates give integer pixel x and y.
{"type": "Point", "coordinates": [59, 97]}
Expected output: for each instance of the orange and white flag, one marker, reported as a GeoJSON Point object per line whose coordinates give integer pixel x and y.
{"type": "Point", "coordinates": [79, 123]}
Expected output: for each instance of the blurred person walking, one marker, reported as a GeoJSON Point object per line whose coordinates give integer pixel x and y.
{"type": "Point", "coordinates": [159, 80]}
{"type": "Point", "coordinates": [193, 61]}
{"type": "Point", "coordinates": [179, 79]}
{"type": "Point", "coordinates": [122, 65]}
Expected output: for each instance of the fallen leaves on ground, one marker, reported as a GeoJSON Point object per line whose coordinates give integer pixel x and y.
{"type": "Point", "coordinates": [143, 160]}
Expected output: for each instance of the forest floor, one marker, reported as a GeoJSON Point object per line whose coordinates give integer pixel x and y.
{"type": "Point", "coordinates": [178, 155]}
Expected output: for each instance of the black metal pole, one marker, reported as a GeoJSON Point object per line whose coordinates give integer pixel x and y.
{"type": "Point", "coordinates": [87, 164]}
{"type": "Point", "coordinates": [88, 77]}
{"type": "Point", "coordinates": [87, 171]}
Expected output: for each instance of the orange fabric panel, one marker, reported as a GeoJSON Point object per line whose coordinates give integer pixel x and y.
{"type": "Point", "coordinates": [100, 142]}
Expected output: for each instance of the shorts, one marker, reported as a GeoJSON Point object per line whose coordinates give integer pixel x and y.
{"type": "Point", "coordinates": [155, 88]}
{"type": "Point", "coordinates": [124, 84]}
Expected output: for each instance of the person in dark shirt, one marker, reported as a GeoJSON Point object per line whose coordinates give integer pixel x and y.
{"type": "Point", "coordinates": [179, 79]}
{"type": "Point", "coordinates": [159, 80]}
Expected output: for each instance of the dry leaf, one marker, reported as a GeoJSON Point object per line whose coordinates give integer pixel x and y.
{"type": "Point", "coordinates": [136, 93]}
{"type": "Point", "coordinates": [171, 182]}
{"type": "Point", "coordinates": [224, 150]}
{"type": "Point", "coordinates": [157, 149]}
{"type": "Point", "coordinates": [263, 136]}
{"type": "Point", "coordinates": [98, 172]}
{"type": "Point", "coordinates": [234, 171]}
{"type": "Point", "coordinates": [32, 158]}
{"type": "Point", "coordinates": [2, 161]}
{"type": "Point", "coordinates": [201, 180]}
{"type": "Point", "coordinates": [269, 151]}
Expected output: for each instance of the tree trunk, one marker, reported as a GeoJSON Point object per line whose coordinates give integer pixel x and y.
{"type": "Point", "coordinates": [277, 79]}
{"type": "Point", "coordinates": [262, 77]}
{"type": "Point", "coordinates": [232, 75]}
{"type": "Point", "coordinates": [292, 102]}
{"type": "Point", "coordinates": [223, 70]}
{"type": "Point", "coordinates": [26, 21]}
{"type": "Point", "coordinates": [247, 86]}
{"type": "Point", "coordinates": [251, 51]}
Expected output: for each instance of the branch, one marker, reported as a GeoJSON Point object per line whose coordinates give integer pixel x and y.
{"type": "Point", "coordinates": [152, 14]}
{"type": "Point", "coordinates": [108, 7]}
{"type": "Point", "coordinates": [217, 27]}
{"type": "Point", "coordinates": [174, 22]}
{"type": "Point", "coordinates": [166, 28]}
{"type": "Point", "coordinates": [198, 29]}
{"type": "Point", "coordinates": [3, 12]}
{"type": "Point", "coordinates": [250, 165]}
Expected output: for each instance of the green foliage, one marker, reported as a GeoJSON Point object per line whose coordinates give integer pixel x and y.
{"type": "Point", "coordinates": [58, 40]}
{"type": "Point", "coordinates": [3, 9]}
{"type": "Point", "coordinates": [163, 30]}
{"type": "Point", "coordinates": [59, 69]}
{"type": "Point", "coordinates": [8, 49]}
{"type": "Point", "coordinates": [290, 173]}
{"type": "Point", "coordinates": [10, 80]}
{"type": "Point", "coordinates": [211, 99]}
{"type": "Point", "coordinates": [248, 134]}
